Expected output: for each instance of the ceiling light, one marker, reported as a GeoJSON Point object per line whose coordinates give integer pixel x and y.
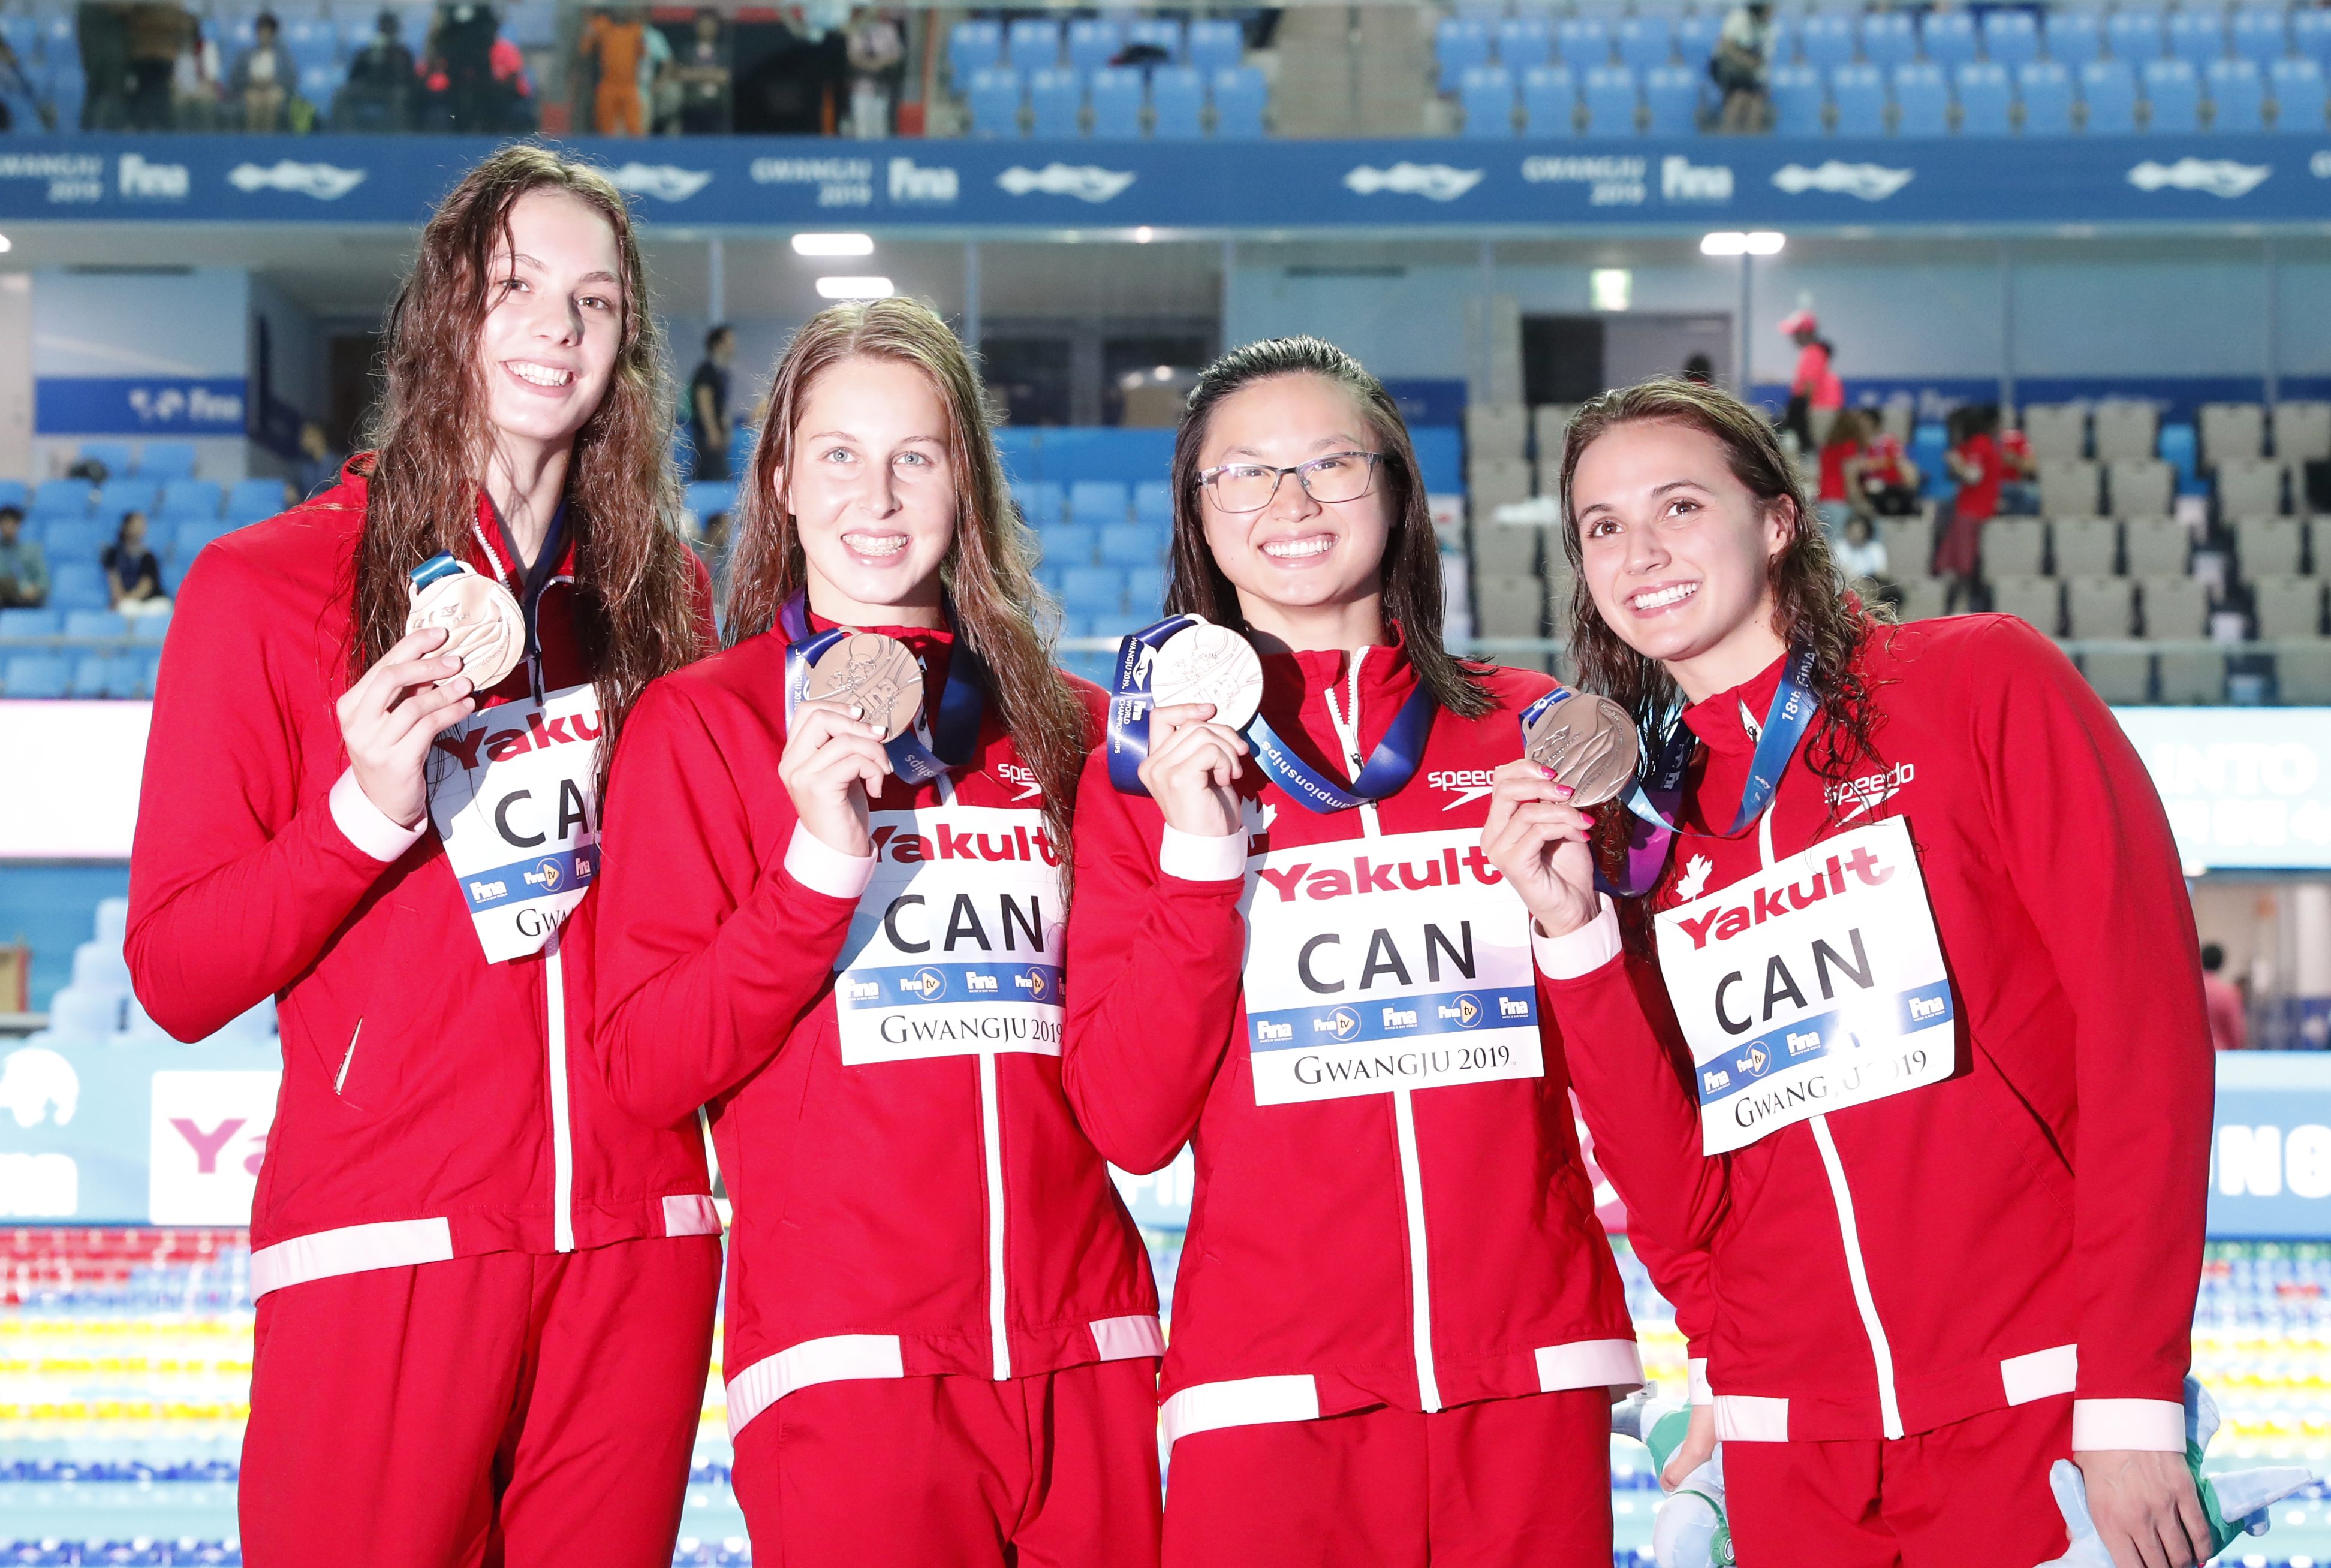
{"type": "Point", "coordinates": [1143, 235]}
{"type": "Point", "coordinates": [1731, 242]}
{"type": "Point", "coordinates": [854, 288]}
{"type": "Point", "coordinates": [4, 245]}
{"type": "Point", "coordinates": [1765, 243]}
{"type": "Point", "coordinates": [1610, 288]}
{"type": "Point", "coordinates": [833, 244]}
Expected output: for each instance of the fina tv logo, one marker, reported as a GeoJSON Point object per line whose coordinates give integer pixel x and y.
{"type": "Point", "coordinates": [1869, 182]}
{"type": "Point", "coordinates": [2218, 177]}
{"type": "Point", "coordinates": [324, 182]}
{"type": "Point", "coordinates": [1433, 182]}
{"type": "Point", "coordinates": [1083, 181]}
{"type": "Point", "coordinates": [925, 983]}
{"type": "Point", "coordinates": [136, 178]}
{"type": "Point", "coordinates": [662, 181]}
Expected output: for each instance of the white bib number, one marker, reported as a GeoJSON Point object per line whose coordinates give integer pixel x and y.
{"type": "Point", "coordinates": [1814, 985]}
{"type": "Point", "coordinates": [514, 793]}
{"type": "Point", "coordinates": [954, 949]}
{"type": "Point", "coordinates": [1374, 964]}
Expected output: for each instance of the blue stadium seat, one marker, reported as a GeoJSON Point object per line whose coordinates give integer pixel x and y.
{"type": "Point", "coordinates": [95, 623]}
{"type": "Point", "coordinates": [1153, 503]}
{"type": "Point", "coordinates": [150, 628]}
{"type": "Point", "coordinates": [1093, 590]}
{"type": "Point", "coordinates": [1986, 99]}
{"type": "Point", "coordinates": [2046, 90]}
{"type": "Point", "coordinates": [1145, 594]}
{"type": "Point", "coordinates": [190, 498]}
{"type": "Point", "coordinates": [2310, 34]}
{"type": "Point", "coordinates": [2011, 38]}
{"type": "Point", "coordinates": [1550, 101]}
{"type": "Point", "coordinates": [1460, 43]}
{"type": "Point", "coordinates": [1611, 100]}
{"type": "Point", "coordinates": [2261, 33]}
{"type": "Point", "coordinates": [1826, 40]}
{"type": "Point", "coordinates": [1163, 33]}
{"type": "Point", "coordinates": [1216, 44]}
{"type": "Point", "coordinates": [2075, 38]}
{"type": "Point", "coordinates": [114, 456]}
{"type": "Point", "coordinates": [1922, 101]}
{"type": "Point", "coordinates": [72, 539]}
{"type": "Point", "coordinates": [1093, 42]}
{"type": "Point", "coordinates": [1239, 95]}
{"type": "Point", "coordinates": [30, 623]}
{"type": "Point", "coordinates": [63, 499]}
{"type": "Point", "coordinates": [2108, 94]}
{"type": "Point", "coordinates": [2237, 96]}
{"type": "Point", "coordinates": [35, 675]}
{"type": "Point", "coordinates": [1524, 41]}
{"type": "Point", "coordinates": [1584, 43]}
{"type": "Point", "coordinates": [2197, 36]}
{"type": "Point", "coordinates": [1131, 544]}
{"type": "Point", "coordinates": [1178, 103]}
{"type": "Point", "coordinates": [1671, 98]}
{"type": "Point", "coordinates": [116, 497]}
{"type": "Point", "coordinates": [1858, 93]}
{"type": "Point", "coordinates": [77, 586]}
{"type": "Point", "coordinates": [2136, 36]}
{"type": "Point", "coordinates": [1064, 546]}
{"type": "Point", "coordinates": [707, 498]}
{"type": "Point", "coordinates": [1040, 501]}
{"type": "Point", "coordinates": [116, 674]}
{"type": "Point", "coordinates": [14, 493]}
{"type": "Point", "coordinates": [254, 500]}
{"type": "Point", "coordinates": [1695, 37]}
{"type": "Point", "coordinates": [1032, 43]}
{"type": "Point", "coordinates": [2172, 97]}
{"type": "Point", "coordinates": [973, 46]}
{"type": "Point", "coordinates": [1888, 39]}
{"type": "Point", "coordinates": [2298, 97]}
{"type": "Point", "coordinates": [1056, 103]}
{"type": "Point", "coordinates": [1487, 94]}
{"type": "Point", "coordinates": [166, 461]}
{"type": "Point", "coordinates": [1075, 625]}
{"type": "Point", "coordinates": [192, 537]}
{"type": "Point", "coordinates": [995, 99]}
{"type": "Point", "coordinates": [1098, 502]}
{"type": "Point", "coordinates": [1645, 43]}
{"type": "Point", "coordinates": [1797, 100]}
{"type": "Point", "coordinates": [1948, 38]}
{"type": "Point", "coordinates": [1117, 95]}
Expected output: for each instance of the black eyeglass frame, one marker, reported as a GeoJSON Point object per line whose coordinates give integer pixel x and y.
{"type": "Point", "coordinates": [1208, 478]}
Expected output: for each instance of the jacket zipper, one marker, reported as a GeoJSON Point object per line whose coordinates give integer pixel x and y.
{"type": "Point", "coordinates": [1404, 1112]}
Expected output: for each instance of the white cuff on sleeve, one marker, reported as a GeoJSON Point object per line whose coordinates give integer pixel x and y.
{"type": "Point", "coordinates": [367, 826]}
{"type": "Point", "coordinates": [1696, 1381]}
{"type": "Point", "coordinates": [1202, 857]}
{"type": "Point", "coordinates": [2154, 1424]}
{"type": "Point", "coordinates": [1579, 952]}
{"type": "Point", "coordinates": [822, 869]}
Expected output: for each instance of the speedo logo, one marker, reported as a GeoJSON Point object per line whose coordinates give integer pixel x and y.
{"type": "Point", "coordinates": [1469, 785]}
{"type": "Point", "coordinates": [1868, 791]}
{"type": "Point", "coordinates": [1022, 779]}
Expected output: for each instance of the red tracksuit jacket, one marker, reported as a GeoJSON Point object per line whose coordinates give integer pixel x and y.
{"type": "Point", "coordinates": [1411, 1247]}
{"type": "Point", "coordinates": [432, 1105]}
{"type": "Point", "coordinates": [925, 1213]}
{"type": "Point", "coordinates": [2029, 1227]}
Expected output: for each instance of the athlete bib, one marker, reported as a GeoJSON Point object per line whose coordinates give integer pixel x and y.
{"type": "Point", "coordinates": [514, 793]}
{"type": "Point", "coordinates": [1374, 964]}
{"type": "Point", "coordinates": [954, 949]}
{"type": "Point", "coordinates": [1814, 985]}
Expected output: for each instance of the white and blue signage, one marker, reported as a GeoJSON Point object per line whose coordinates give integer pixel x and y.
{"type": "Point", "coordinates": [139, 405]}
{"type": "Point", "coordinates": [2270, 1150]}
{"type": "Point", "coordinates": [2244, 787]}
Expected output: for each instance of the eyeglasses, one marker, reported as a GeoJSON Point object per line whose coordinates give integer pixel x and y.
{"type": "Point", "coordinates": [1340, 476]}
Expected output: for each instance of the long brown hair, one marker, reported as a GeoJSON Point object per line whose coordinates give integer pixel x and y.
{"type": "Point", "coordinates": [989, 571]}
{"type": "Point", "coordinates": [1412, 558]}
{"type": "Point", "coordinates": [1812, 606]}
{"type": "Point", "coordinates": [635, 579]}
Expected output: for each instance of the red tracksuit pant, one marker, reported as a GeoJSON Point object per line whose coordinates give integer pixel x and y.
{"type": "Point", "coordinates": [1971, 1495]}
{"type": "Point", "coordinates": [536, 1410]}
{"type": "Point", "coordinates": [1501, 1484]}
{"type": "Point", "coordinates": [1057, 1470]}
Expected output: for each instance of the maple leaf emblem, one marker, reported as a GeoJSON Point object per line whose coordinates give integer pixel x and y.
{"type": "Point", "coordinates": [1694, 880]}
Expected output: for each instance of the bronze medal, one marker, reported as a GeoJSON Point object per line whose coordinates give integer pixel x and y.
{"type": "Point", "coordinates": [483, 627]}
{"type": "Point", "coordinates": [1591, 743]}
{"type": "Point", "coordinates": [876, 674]}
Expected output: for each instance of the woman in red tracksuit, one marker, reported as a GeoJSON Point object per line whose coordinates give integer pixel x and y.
{"type": "Point", "coordinates": [1398, 1327]}
{"type": "Point", "coordinates": [1926, 965]}
{"type": "Point", "coordinates": [485, 1294]}
{"type": "Point", "coordinates": [941, 1340]}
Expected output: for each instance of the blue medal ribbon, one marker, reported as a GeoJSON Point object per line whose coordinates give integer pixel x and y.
{"type": "Point", "coordinates": [435, 566]}
{"type": "Point", "coordinates": [1386, 772]}
{"type": "Point", "coordinates": [963, 701]}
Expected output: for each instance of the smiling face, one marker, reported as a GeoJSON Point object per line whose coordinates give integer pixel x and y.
{"type": "Point", "coordinates": [871, 488]}
{"type": "Point", "coordinates": [1675, 551]}
{"type": "Point", "coordinates": [1308, 571]}
{"type": "Point", "coordinates": [554, 321]}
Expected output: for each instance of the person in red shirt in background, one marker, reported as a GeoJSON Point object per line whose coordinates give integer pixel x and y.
{"type": "Point", "coordinates": [2229, 1013]}
{"type": "Point", "coordinates": [1915, 918]}
{"type": "Point", "coordinates": [1882, 480]}
{"type": "Point", "coordinates": [2019, 491]}
{"type": "Point", "coordinates": [1815, 394]}
{"type": "Point", "coordinates": [1979, 468]}
{"type": "Point", "coordinates": [1837, 497]}
{"type": "Point", "coordinates": [485, 1293]}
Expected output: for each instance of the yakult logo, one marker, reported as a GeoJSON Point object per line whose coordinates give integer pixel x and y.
{"type": "Point", "coordinates": [945, 843]}
{"type": "Point", "coordinates": [1775, 903]}
{"type": "Point", "coordinates": [501, 745]}
{"type": "Point", "coordinates": [1314, 882]}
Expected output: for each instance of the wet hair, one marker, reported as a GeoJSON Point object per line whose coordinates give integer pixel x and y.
{"type": "Point", "coordinates": [1411, 569]}
{"type": "Point", "coordinates": [635, 582]}
{"type": "Point", "coordinates": [989, 571]}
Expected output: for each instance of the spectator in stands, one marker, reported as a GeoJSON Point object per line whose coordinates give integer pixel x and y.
{"type": "Point", "coordinates": [133, 575]}
{"type": "Point", "coordinates": [1699, 368]}
{"type": "Point", "coordinates": [476, 79]}
{"type": "Point", "coordinates": [2018, 488]}
{"type": "Point", "coordinates": [1861, 557]}
{"type": "Point", "coordinates": [876, 48]}
{"type": "Point", "coordinates": [24, 568]}
{"type": "Point", "coordinates": [1742, 68]}
{"type": "Point", "coordinates": [194, 80]}
{"type": "Point", "coordinates": [156, 33]}
{"type": "Point", "coordinates": [1834, 501]}
{"type": "Point", "coordinates": [659, 89]}
{"type": "Point", "coordinates": [2223, 1000]}
{"type": "Point", "coordinates": [702, 70]}
{"type": "Point", "coordinates": [383, 80]}
{"type": "Point", "coordinates": [708, 403]}
{"type": "Point", "coordinates": [263, 78]}
{"type": "Point", "coordinates": [1883, 481]}
{"type": "Point", "coordinates": [1815, 393]}
{"type": "Point", "coordinates": [712, 546]}
{"type": "Point", "coordinates": [103, 31]}
{"type": "Point", "coordinates": [613, 45]}
{"type": "Point", "coordinates": [1977, 467]}
{"type": "Point", "coordinates": [320, 465]}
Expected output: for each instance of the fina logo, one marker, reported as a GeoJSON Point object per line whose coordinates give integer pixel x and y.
{"type": "Point", "coordinates": [37, 1084]}
{"type": "Point", "coordinates": [2213, 176]}
{"type": "Point", "coordinates": [1083, 181]}
{"type": "Point", "coordinates": [1871, 182]}
{"type": "Point", "coordinates": [928, 984]}
{"type": "Point", "coordinates": [662, 181]}
{"type": "Point", "coordinates": [1469, 1011]}
{"type": "Point", "coordinates": [325, 182]}
{"type": "Point", "coordinates": [1433, 182]}
{"type": "Point", "coordinates": [912, 182]}
{"type": "Point", "coordinates": [162, 182]}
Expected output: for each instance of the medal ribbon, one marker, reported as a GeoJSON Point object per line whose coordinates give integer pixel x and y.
{"type": "Point", "coordinates": [435, 568]}
{"type": "Point", "coordinates": [955, 734]}
{"type": "Point", "coordinates": [1386, 772]}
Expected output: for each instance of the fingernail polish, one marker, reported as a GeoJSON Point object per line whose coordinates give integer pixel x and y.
{"type": "Point", "coordinates": [1564, 792]}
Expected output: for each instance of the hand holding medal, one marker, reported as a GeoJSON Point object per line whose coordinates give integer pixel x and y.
{"type": "Point", "coordinates": [483, 628]}
{"type": "Point", "coordinates": [1194, 756]}
{"type": "Point", "coordinates": [1580, 750]}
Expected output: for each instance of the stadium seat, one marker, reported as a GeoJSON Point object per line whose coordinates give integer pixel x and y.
{"type": "Point", "coordinates": [1524, 41]}
{"type": "Point", "coordinates": [1178, 103]}
{"type": "Point", "coordinates": [1671, 98]}
{"type": "Point", "coordinates": [1798, 100]}
{"type": "Point", "coordinates": [1131, 544]}
{"type": "Point", "coordinates": [1922, 101]}
{"type": "Point", "coordinates": [1041, 503]}
{"type": "Point", "coordinates": [2126, 428]}
{"type": "Point", "coordinates": [2085, 547]}
{"type": "Point", "coordinates": [1888, 38]}
{"type": "Point", "coordinates": [1093, 590]}
{"type": "Point", "coordinates": [1460, 44]}
{"type": "Point", "coordinates": [2046, 90]}
{"type": "Point", "coordinates": [1239, 95]}
{"type": "Point", "coordinates": [14, 493]}
{"type": "Point", "coordinates": [2069, 490]}
{"type": "Point", "coordinates": [1056, 103]}
{"type": "Point", "coordinates": [1117, 97]}
{"type": "Point", "coordinates": [63, 499]}
{"type": "Point", "coordinates": [117, 498]}
{"type": "Point", "coordinates": [95, 624]}
{"type": "Point", "coordinates": [35, 675]}
{"type": "Point", "coordinates": [708, 499]}
{"type": "Point", "coordinates": [1948, 38]}
{"type": "Point", "coordinates": [113, 456]}
{"type": "Point", "coordinates": [1487, 101]}
{"type": "Point", "coordinates": [1584, 43]}
{"type": "Point", "coordinates": [251, 501]}
{"type": "Point", "coordinates": [1068, 544]}
{"type": "Point", "coordinates": [2135, 35]}
{"type": "Point", "coordinates": [77, 586]}
{"type": "Point", "coordinates": [2172, 97]}
{"type": "Point", "coordinates": [1695, 38]}
{"type": "Point", "coordinates": [2109, 97]}
{"type": "Point", "coordinates": [1093, 42]}
{"type": "Point", "coordinates": [1859, 94]}
{"type": "Point", "coordinates": [183, 497]}
{"type": "Point", "coordinates": [2260, 33]}
{"type": "Point", "coordinates": [2013, 548]}
{"type": "Point", "coordinates": [1097, 502]}
{"type": "Point", "coordinates": [2302, 429]}
{"type": "Point", "coordinates": [117, 675]}
{"type": "Point", "coordinates": [2100, 606]}
{"type": "Point", "coordinates": [2038, 600]}
{"type": "Point", "coordinates": [1611, 100]}
{"type": "Point", "coordinates": [1645, 43]}
{"type": "Point", "coordinates": [150, 628]}
{"type": "Point", "coordinates": [2197, 36]}
{"type": "Point", "coordinates": [2288, 607]}
{"type": "Point", "coordinates": [1144, 592]}
{"type": "Point", "coordinates": [2011, 38]}
{"type": "Point", "coordinates": [2175, 606]}
{"type": "Point", "coordinates": [1153, 503]}
{"type": "Point", "coordinates": [2249, 487]}
{"type": "Point", "coordinates": [1216, 44]}
{"type": "Point", "coordinates": [1163, 35]}
{"type": "Point", "coordinates": [1550, 101]}
{"type": "Point", "coordinates": [2156, 546]}
{"type": "Point", "coordinates": [2075, 37]}
{"type": "Point", "coordinates": [2310, 34]}
{"type": "Point", "coordinates": [2237, 96]}
{"type": "Point", "coordinates": [1032, 43]}
{"type": "Point", "coordinates": [995, 99]}
{"type": "Point", "coordinates": [26, 622]}
{"type": "Point", "coordinates": [1985, 101]}
{"type": "Point", "coordinates": [1826, 40]}
{"type": "Point", "coordinates": [2298, 97]}
{"type": "Point", "coordinates": [2270, 547]}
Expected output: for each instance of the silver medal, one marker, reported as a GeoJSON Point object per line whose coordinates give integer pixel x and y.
{"type": "Point", "coordinates": [1209, 663]}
